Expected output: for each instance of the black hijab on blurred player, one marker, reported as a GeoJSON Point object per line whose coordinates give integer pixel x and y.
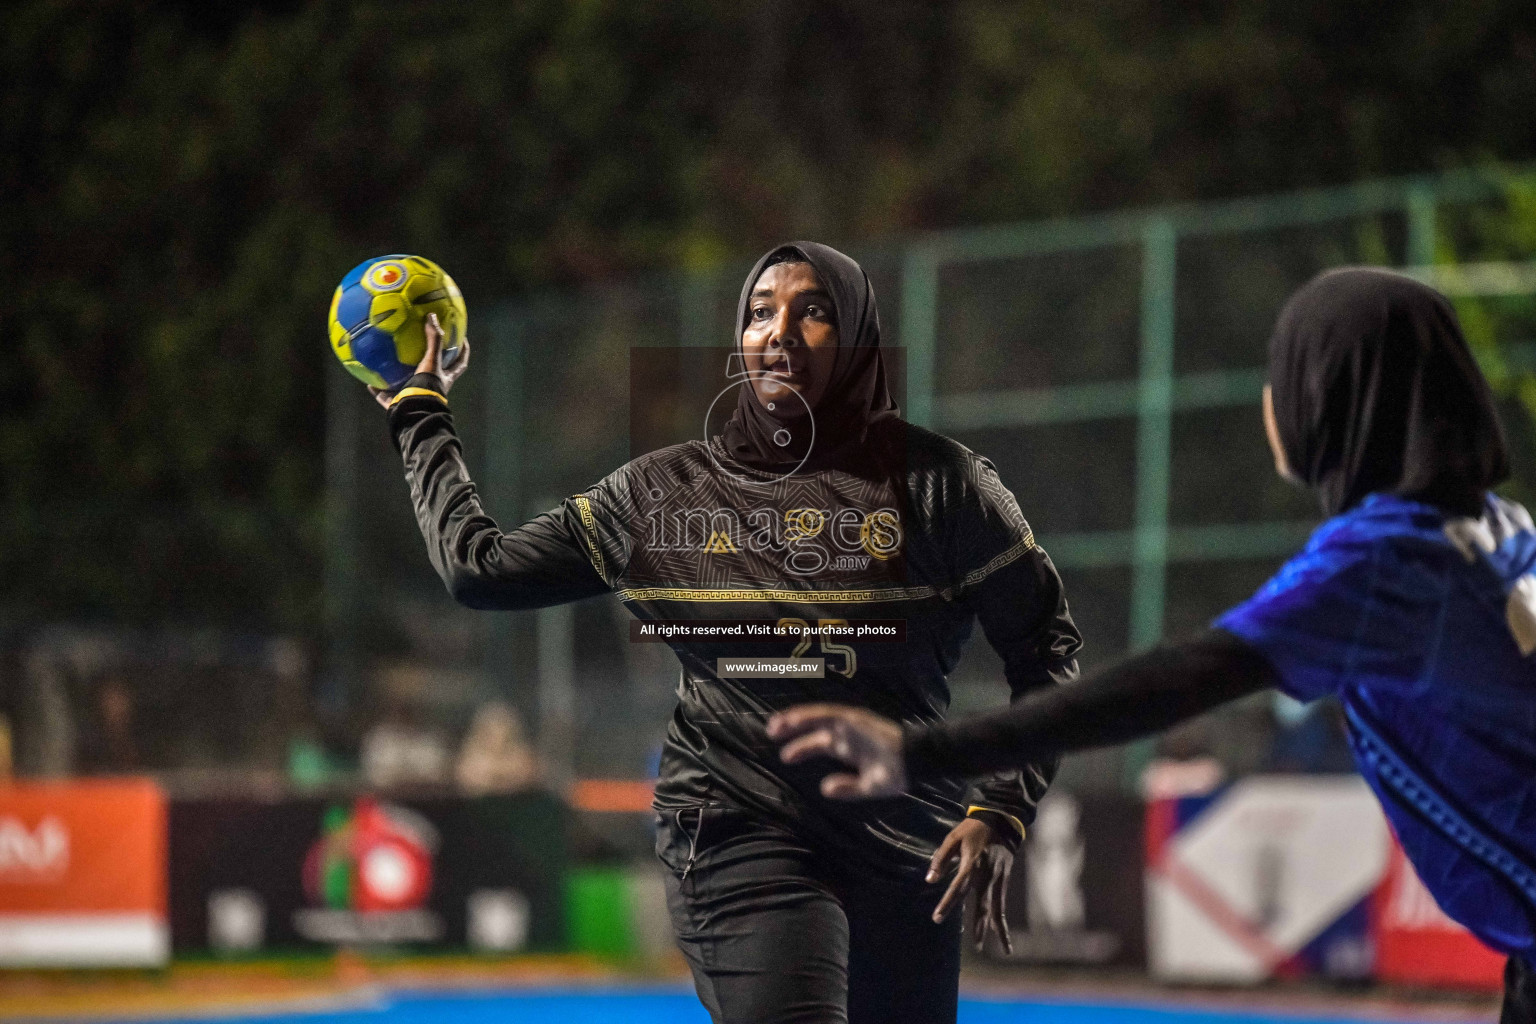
{"type": "Point", "coordinates": [1374, 389]}
{"type": "Point", "coordinates": [855, 398]}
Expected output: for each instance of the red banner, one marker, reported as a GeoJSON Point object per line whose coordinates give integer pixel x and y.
{"type": "Point", "coordinates": [82, 873]}
{"type": "Point", "coordinates": [1417, 944]}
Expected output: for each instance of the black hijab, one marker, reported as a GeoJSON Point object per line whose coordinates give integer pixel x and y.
{"type": "Point", "coordinates": [1374, 389]}
{"type": "Point", "coordinates": [856, 397]}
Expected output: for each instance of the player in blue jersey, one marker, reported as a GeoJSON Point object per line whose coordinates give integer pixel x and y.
{"type": "Point", "coordinates": [1414, 605]}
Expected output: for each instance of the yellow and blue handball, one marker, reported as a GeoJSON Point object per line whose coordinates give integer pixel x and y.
{"type": "Point", "coordinates": [379, 315]}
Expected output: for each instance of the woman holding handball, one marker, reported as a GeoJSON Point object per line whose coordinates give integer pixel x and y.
{"type": "Point", "coordinates": [822, 507]}
{"type": "Point", "coordinates": [1414, 605]}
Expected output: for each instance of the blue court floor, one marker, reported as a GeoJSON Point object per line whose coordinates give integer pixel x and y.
{"type": "Point", "coordinates": [675, 1006]}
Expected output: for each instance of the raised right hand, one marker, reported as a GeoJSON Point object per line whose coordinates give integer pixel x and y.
{"type": "Point", "coordinates": [431, 362]}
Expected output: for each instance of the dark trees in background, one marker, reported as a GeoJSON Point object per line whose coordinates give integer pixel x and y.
{"type": "Point", "coordinates": [181, 185]}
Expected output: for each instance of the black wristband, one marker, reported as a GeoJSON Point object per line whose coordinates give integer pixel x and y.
{"type": "Point", "coordinates": [426, 382]}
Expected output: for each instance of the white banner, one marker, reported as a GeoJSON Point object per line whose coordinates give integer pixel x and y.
{"type": "Point", "coordinates": [1269, 878]}
{"type": "Point", "coordinates": [101, 940]}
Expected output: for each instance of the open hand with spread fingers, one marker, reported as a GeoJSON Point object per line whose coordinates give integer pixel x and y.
{"type": "Point", "coordinates": [981, 865]}
{"type": "Point", "coordinates": [872, 747]}
{"type": "Point", "coordinates": [863, 740]}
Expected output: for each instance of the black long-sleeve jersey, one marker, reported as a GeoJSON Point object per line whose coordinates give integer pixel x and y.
{"type": "Point", "coordinates": [922, 531]}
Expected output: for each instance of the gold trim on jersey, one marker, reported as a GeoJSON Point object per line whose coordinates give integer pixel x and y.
{"type": "Point", "coordinates": [1013, 554]}
{"type": "Point", "coordinates": [747, 596]}
{"type": "Point", "coordinates": [405, 393]}
{"type": "Point", "coordinates": [589, 522]}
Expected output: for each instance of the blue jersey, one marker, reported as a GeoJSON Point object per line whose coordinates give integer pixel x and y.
{"type": "Point", "coordinates": [1424, 626]}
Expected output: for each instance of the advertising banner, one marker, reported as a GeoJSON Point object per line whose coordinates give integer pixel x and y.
{"type": "Point", "coordinates": [1075, 896]}
{"type": "Point", "coordinates": [82, 874]}
{"type": "Point", "coordinates": [481, 873]}
{"type": "Point", "coordinates": [1271, 876]}
{"type": "Point", "coordinates": [1416, 944]}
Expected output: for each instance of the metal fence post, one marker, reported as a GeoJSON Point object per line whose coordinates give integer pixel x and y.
{"type": "Point", "coordinates": [1421, 225]}
{"type": "Point", "coordinates": [504, 414]}
{"type": "Point", "coordinates": [507, 634]}
{"type": "Point", "coordinates": [343, 546]}
{"type": "Point", "coordinates": [1154, 428]}
{"type": "Point", "coordinates": [919, 327]}
{"type": "Point", "coordinates": [696, 307]}
{"type": "Point", "coordinates": [557, 695]}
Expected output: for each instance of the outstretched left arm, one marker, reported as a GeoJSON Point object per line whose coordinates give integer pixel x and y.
{"type": "Point", "coordinates": [1133, 698]}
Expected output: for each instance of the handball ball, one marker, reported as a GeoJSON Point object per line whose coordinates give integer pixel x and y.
{"type": "Point", "coordinates": [379, 315]}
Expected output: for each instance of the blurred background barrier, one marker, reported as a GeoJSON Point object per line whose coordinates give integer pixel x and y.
{"type": "Point", "coordinates": [1268, 877]}
{"type": "Point", "coordinates": [83, 874]}
{"type": "Point", "coordinates": [486, 874]}
{"type": "Point", "coordinates": [1293, 877]}
{"type": "Point", "coordinates": [1076, 894]}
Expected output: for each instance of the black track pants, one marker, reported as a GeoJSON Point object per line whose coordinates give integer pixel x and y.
{"type": "Point", "coordinates": [778, 932]}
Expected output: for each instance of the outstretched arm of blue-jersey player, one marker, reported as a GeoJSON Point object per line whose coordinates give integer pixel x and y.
{"type": "Point", "coordinates": [1136, 697]}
